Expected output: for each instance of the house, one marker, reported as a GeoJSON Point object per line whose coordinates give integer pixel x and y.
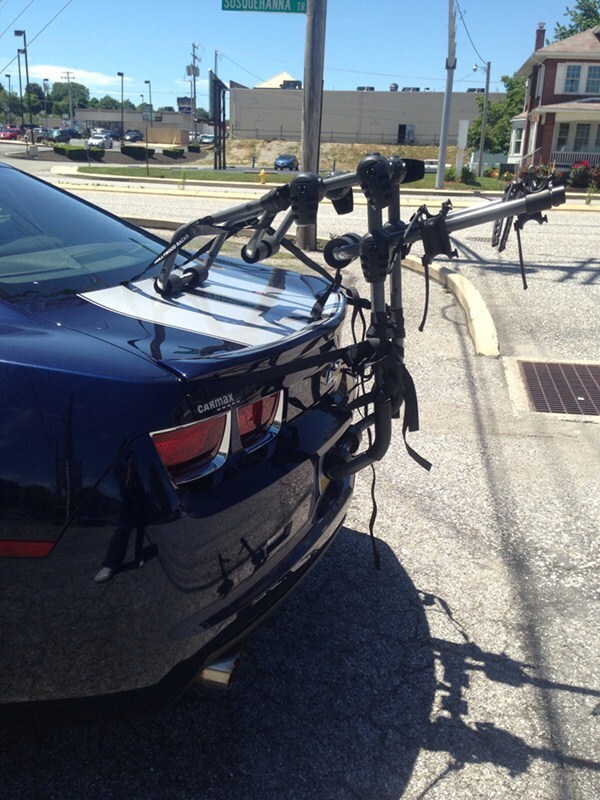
{"type": "Point", "coordinates": [561, 120]}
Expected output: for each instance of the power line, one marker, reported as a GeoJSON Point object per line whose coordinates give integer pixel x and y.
{"type": "Point", "coordinates": [20, 14]}
{"type": "Point", "coordinates": [239, 66]}
{"type": "Point", "coordinates": [58, 13]}
{"type": "Point", "coordinates": [462, 19]}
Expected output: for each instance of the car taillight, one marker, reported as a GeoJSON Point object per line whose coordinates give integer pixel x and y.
{"type": "Point", "coordinates": [257, 419]}
{"type": "Point", "coordinates": [189, 450]}
{"type": "Point", "coordinates": [29, 548]}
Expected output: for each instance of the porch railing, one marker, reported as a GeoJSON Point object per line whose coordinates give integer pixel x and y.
{"type": "Point", "coordinates": [564, 158]}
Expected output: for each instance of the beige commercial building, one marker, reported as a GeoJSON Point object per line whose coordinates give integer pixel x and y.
{"type": "Point", "coordinates": [393, 117]}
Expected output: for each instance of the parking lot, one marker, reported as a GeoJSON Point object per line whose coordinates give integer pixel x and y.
{"type": "Point", "coordinates": [467, 665]}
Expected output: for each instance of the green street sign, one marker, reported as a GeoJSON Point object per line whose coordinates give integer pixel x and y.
{"type": "Point", "coordinates": [286, 6]}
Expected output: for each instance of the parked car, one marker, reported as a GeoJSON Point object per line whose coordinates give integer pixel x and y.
{"type": "Point", "coordinates": [134, 136]}
{"type": "Point", "coordinates": [64, 134]}
{"type": "Point", "coordinates": [156, 499]}
{"type": "Point", "coordinates": [431, 165]}
{"type": "Point", "coordinates": [100, 140]}
{"type": "Point", "coordinates": [9, 133]}
{"type": "Point", "coordinates": [207, 138]}
{"type": "Point", "coordinates": [40, 133]}
{"type": "Point", "coordinates": [286, 161]}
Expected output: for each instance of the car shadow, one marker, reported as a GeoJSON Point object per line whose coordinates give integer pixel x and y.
{"type": "Point", "coordinates": [340, 692]}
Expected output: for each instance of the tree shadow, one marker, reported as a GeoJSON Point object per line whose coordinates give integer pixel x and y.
{"type": "Point", "coordinates": [340, 691]}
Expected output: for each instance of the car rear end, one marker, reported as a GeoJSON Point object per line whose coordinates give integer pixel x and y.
{"type": "Point", "coordinates": [185, 496]}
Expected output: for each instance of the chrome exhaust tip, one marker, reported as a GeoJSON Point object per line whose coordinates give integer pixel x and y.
{"type": "Point", "coordinates": [219, 673]}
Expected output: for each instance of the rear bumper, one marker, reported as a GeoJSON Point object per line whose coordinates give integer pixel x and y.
{"type": "Point", "coordinates": [212, 571]}
{"type": "Point", "coordinates": [62, 703]}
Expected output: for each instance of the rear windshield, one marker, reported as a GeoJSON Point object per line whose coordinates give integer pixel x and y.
{"type": "Point", "coordinates": [52, 244]}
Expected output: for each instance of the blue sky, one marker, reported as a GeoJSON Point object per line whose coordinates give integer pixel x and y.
{"type": "Point", "coordinates": [368, 42]}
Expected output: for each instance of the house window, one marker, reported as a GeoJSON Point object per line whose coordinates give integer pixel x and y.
{"type": "Point", "coordinates": [582, 137]}
{"type": "Point", "coordinates": [563, 136]}
{"type": "Point", "coordinates": [572, 79]}
{"type": "Point", "coordinates": [597, 145]}
{"type": "Point", "coordinates": [592, 84]}
{"type": "Point", "coordinates": [518, 142]}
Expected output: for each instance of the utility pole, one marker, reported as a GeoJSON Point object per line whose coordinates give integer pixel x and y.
{"type": "Point", "coordinates": [314, 59]}
{"type": "Point", "coordinates": [193, 71]}
{"type": "Point", "coordinates": [450, 67]}
{"type": "Point", "coordinates": [484, 118]}
{"type": "Point", "coordinates": [68, 76]}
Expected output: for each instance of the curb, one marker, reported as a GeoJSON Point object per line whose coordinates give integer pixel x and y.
{"type": "Point", "coordinates": [480, 322]}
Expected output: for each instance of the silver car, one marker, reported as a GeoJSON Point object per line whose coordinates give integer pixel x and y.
{"type": "Point", "coordinates": [100, 140]}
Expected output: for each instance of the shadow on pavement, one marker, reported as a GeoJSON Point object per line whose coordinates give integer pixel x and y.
{"type": "Point", "coordinates": [339, 693]}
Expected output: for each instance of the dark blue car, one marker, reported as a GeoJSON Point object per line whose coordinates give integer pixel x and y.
{"type": "Point", "coordinates": [286, 161]}
{"type": "Point", "coordinates": [156, 499]}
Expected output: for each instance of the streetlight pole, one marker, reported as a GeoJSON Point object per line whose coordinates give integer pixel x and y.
{"type": "Point", "coordinates": [484, 113]}
{"type": "Point", "coordinates": [9, 108]}
{"type": "Point", "coordinates": [22, 33]}
{"type": "Point", "coordinates": [19, 51]}
{"type": "Point", "coordinates": [121, 75]}
{"type": "Point", "coordinates": [150, 98]}
{"type": "Point", "coordinates": [46, 86]}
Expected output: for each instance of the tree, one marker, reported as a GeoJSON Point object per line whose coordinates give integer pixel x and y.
{"type": "Point", "coordinates": [35, 93]}
{"type": "Point", "coordinates": [80, 96]}
{"type": "Point", "coordinates": [108, 102]}
{"type": "Point", "coordinates": [499, 115]}
{"type": "Point", "coordinates": [585, 14]}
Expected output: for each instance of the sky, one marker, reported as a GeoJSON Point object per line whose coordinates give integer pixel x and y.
{"type": "Point", "coordinates": [368, 42]}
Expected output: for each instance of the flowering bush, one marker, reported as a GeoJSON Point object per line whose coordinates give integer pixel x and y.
{"type": "Point", "coordinates": [595, 177]}
{"type": "Point", "coordinates": [547, 171]}
{"type": "Point", "coordinates": [580, 174]}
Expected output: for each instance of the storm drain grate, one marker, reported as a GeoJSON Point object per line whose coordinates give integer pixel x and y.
{"type": "Point", "coordinates": [563, 388]}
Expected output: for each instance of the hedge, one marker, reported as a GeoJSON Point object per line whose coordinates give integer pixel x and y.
{"type": "Point", "coordinates": [137, 151]}
{"type": "Point", "coordinates": [78, 153]}
{"type": "Point", "coordinates": [174, 152]}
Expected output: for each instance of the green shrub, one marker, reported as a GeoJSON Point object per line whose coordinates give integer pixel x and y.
{"type": "Point", "coordinates": [174, 152]}
{"type": "Point", "coordinates": [76, 152]}
{"type": "Point", "coordinates": [193, 148]}
{"type": "Point", "coordinates": [450, 175]}
{"type": "Point", "coordinates": [595, 177]}
{"type": "Point", "coordinates": [468, 177]}
{"type": "Point", "coordinates": [137, 151]}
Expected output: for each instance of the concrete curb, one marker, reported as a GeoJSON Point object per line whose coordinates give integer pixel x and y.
{"type": "Point", "coordinates": [480, 322]}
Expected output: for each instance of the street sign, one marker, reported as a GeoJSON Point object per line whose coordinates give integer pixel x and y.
{"type": "Point", "coordinates": [289, 6]}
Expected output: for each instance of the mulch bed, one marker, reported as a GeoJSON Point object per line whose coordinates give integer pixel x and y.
{"type": "Point", "coordinates": [116, 158]}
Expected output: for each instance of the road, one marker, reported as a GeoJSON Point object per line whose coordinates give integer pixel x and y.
{"type": "Point", "coordinates": [467, 667]}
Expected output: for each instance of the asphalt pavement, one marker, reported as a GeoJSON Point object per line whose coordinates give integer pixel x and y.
{"type": "Point", "coordinates": [467, 666]}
